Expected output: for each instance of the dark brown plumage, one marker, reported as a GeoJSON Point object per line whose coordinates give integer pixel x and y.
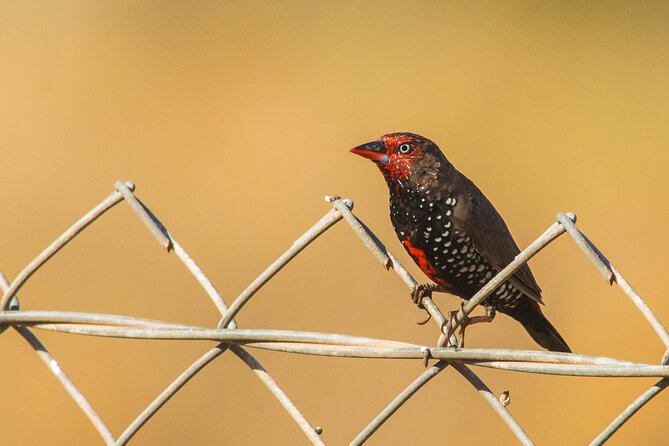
{"type": "Point", "coordinates": [453, 232]}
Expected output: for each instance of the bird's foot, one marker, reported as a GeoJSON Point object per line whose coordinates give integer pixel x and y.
{"type": "Point", "coordinates": [419, 292]}
{"type": "Point", "coordinates": [489, 316]}
{"type": "Point", "coordinates": [447, 327]}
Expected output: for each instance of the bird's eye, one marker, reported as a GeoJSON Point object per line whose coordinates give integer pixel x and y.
{"type": "Point", "coordinates": [405, 147]}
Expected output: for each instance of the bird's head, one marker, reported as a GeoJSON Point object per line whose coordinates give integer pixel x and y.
{"type": "Point", "coordinates": [403, 156]}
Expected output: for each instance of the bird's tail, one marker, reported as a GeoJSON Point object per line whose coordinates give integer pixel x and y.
{"type": "Point", "coordinates": [529, 314]}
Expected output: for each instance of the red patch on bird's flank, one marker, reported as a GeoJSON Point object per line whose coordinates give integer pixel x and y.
{"type": "Point", "coordinates": [423, 263]}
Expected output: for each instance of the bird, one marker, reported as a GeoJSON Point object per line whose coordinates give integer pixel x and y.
{"type": "Point", "coordinates": [454, 233]}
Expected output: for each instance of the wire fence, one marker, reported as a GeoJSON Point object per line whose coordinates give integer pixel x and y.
{"type": "Point", "coordinates": [229, 337]}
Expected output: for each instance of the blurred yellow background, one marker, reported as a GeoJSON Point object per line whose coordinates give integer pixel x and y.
{"type": "Point", "coordinates": [235, 119]}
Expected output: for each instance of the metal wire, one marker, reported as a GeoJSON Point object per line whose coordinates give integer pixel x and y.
{"type": "Point", "coordinates": [229, 337]}
{"type": "Point", "coordinates": [55, 368]}
{"type": "Point", "coordinates": [395, 404]}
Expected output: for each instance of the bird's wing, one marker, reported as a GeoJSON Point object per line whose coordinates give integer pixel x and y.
{"type": "Point", "coordinates": [478, 218]}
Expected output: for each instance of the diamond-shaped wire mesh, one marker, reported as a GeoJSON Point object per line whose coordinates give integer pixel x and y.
{"type": "Point", "coordinates": [325, 344]}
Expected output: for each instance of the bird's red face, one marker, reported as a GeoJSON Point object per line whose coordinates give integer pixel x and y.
{"type": "Point", "coordinates": [394, 154]}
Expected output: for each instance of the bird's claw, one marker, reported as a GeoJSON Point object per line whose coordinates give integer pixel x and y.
{"type": "Point", "coordinates": [466, 321]}
{"type": "Point", "coordinates": [447, 327]}
{"type": "Point", "coordinates": [429, 316]}
{"type": "Point", "coordinates": [418, 293]}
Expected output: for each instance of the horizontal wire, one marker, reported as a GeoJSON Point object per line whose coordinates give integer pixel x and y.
{"type": "Point", "coordinates": [55, 368]}
{"type": "Point", "coordinates": [327, 344]}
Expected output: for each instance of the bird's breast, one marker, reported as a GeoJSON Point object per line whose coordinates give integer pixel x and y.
{"type": "Point", "coordinates": [445, 254]}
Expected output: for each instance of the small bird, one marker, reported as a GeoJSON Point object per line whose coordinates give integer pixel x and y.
{"type": "Point", "coordinates": [453, 233]}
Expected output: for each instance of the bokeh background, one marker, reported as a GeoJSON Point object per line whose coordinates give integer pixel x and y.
{"type": "Point", "coordinates": [235, 119]}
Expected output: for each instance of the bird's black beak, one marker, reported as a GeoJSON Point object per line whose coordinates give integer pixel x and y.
{"type": "Point", "coordinates": [375, 151]}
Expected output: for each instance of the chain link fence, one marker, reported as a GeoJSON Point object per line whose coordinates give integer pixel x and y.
{"type": "Point", "coordinates": [229, 337]}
